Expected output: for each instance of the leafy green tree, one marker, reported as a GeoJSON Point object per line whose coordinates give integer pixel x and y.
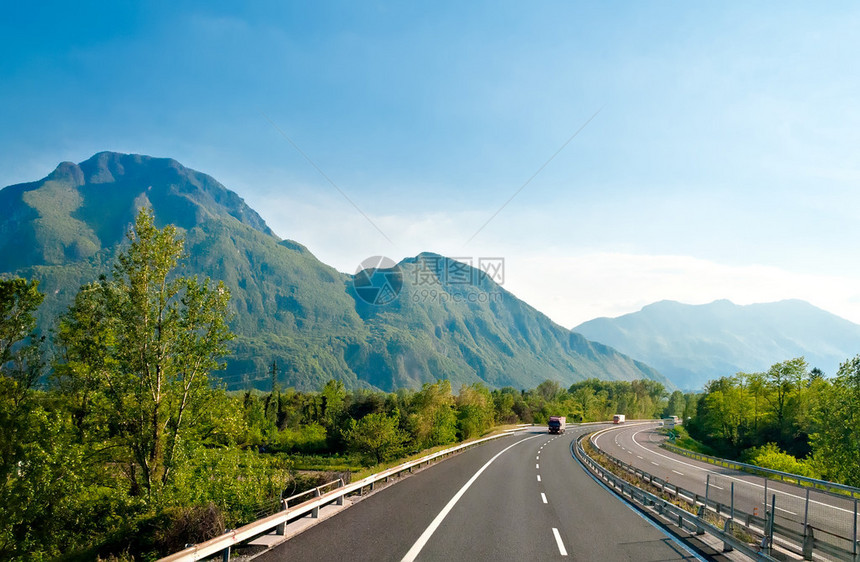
{"type": "Point", "coordinates": [145, 341]}
{"type": "Point", "coordinates": [675, 406]}
{"type": "Point", "coordinates": [432, 420]}
{"type": "Point", "coordinates": [377, 436]}
{"type": "Point", "coordinates": [836, 443]}
{"type": "Point", "coordinates": [784, 380]}
{"type": "Point", "coordinates": [20, 357]}
{"type": "Point", "coordinates": [474, 411]}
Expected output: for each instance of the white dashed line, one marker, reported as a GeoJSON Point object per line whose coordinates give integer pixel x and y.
{"type": "Point", "coordinates": [561, 549]}
{"type": "Point", "coordinates": [676, 472]}
{"type": "Point", "coordinates": [538, 477]}
{"type": "Point", "coordinates": [537, 466]}
{"type": "Point", "coordinates": [787, 511]}
{"type": "Point", "coordinates": [654, 463]}
{"type": "Point", "coordinates": [543, 497]}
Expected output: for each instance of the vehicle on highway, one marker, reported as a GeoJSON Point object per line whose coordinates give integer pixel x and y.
{"type": "Point", "coordinates": [618, 418]}
{"type": "Point", "coordinates": [557, 424]}
{"type": "Point", "coordinates": [671, 421]}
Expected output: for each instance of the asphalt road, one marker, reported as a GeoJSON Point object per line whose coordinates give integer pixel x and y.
{"type": "Point", "coordinates": [639, 445]}
{"type": "Point", "coordinates": [526, 499]}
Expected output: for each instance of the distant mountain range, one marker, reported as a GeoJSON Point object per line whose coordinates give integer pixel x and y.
{"type": "Point", "coordinates": [290, 308]}
{"type": "Point", "coordinates": [692, 344]}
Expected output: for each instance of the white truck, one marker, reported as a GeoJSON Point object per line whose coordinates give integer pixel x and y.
{"type": "Point", "coordinates": [557, 424]}
{"type": "Point", "coordinates": [618, 418]}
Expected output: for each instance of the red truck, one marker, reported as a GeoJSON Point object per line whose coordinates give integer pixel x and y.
{"type": "Point", "coordinates": [557, 424]}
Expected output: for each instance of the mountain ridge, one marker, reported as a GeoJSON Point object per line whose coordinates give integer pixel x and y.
{"type": "Point", "coordinates": [288, 306]}
{"type": "Point", "coordinates": [694, 343]}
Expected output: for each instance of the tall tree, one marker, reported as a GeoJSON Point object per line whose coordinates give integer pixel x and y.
{"type": "Point", "coordinates": [836, 444]}
{"type": "Point", "coordinates": [157, 335]}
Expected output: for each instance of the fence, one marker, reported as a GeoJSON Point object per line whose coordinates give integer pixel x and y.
{"type": "Point", "coordinates": [804, 522]}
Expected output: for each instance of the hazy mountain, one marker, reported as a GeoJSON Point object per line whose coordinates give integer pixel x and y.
{"type": "Point", "coordinates": [691, 344]}
{"type": "Point", "coordinates": [67, 228]}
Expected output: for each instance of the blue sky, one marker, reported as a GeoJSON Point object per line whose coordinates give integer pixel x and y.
{"type": "Point", "coordinates": [723, 161]}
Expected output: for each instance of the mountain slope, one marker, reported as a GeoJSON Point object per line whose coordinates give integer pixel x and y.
{"type": "Point", "coordinates": [290, 308]}
{"type": "Point", "coordinates": [691, 344]}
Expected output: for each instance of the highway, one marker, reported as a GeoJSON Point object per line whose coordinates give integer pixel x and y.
{"type": "Point", "coordinates": [639, 445]}
{"type": "Point", "coordinates": [521, 497]}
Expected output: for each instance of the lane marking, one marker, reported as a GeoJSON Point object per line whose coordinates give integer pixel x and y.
{"type": "Point", "coordinates": [537, 466]}
{"type": "Point", "coordinates": [676, 472]}
{"type": "Point", "coordinates": [537, 458]}
{"type": "Point", "coordinates": [561, 549]}
{"type": "Point", "coordinates": [681, 545]}
{"type": "Point", "coordinates": [640, 457]}
{"type": "Point", "coordinates": [538, 477]}
{"type": "Point", "coordinates": [413, 552]}
{"type": "Point", "coordinates": [773, 490]}
{"type": "Point", "coordinates": [785, 510]}
{"type": "Point", "coordinates": [543, 497]}
{"type": "Point", "coordinates": [654, 463]}
{"type": "Point", "coordinates": [717, 487]}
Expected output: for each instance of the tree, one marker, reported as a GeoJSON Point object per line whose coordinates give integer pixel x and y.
{"type": "Point", "coordinates": [836, 444]}
{"type": "Point", "coordinates": [20, 358]}
{"type": "Point", "coordinates": [145, 341]}
{"type": "Point", "coordinates": [784, 380]}
{"type": "Point", "coordinates": [376, 435]}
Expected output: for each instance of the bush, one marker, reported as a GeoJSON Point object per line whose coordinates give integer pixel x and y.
{"type": "Point", "coordinates": [188, 525]}
{"type": "Point", "coordinates": [772, 457]}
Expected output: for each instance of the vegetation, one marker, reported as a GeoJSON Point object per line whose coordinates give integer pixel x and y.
{"type": "Point", "coordinates": [129, 448]}
{"type": "Point", "coordinates": [789, 418]}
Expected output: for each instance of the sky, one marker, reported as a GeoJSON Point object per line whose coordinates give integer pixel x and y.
{"type": "Point", "coordinates": [614, 154]}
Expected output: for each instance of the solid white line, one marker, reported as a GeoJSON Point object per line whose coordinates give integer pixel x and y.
{"type": "Point", "coordinates": [538, 477]}
{"type": "Point", "coordinates": [561, 549]}
{"type": "Point", "coordinates": [428, 532]}
{"type": "Point", "coordinates": [774, 490]}
{"type": "Point", "coordinates": [543, 497]}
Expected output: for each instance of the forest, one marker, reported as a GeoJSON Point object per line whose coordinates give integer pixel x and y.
{"type": "Point", "coordinates": [789, 418]}
{"type": "Point", "coordinates": [120, 445]}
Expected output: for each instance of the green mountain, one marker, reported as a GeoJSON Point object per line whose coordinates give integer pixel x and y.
{"type": "Point", "coordinates": [290, 308]}
{"type": "Point", "coordinates": [692, 344]}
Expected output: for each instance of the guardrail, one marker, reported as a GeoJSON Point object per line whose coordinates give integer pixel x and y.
{"type": "Point", "coordinates": [798, 536]}
{"type": "Point", "coordinates": [761, 471]}
{"type": "Point", "coordinates": [680, 516]}
{"type": "Point", "coordinates": [278, 521]}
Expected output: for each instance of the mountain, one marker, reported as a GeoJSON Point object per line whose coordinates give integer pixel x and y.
{"type": "Point", "coordinates": [290, 308]}
{"type": "Point", "coordinates": [692, 344]}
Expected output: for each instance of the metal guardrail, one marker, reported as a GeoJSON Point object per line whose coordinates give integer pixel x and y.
{"type": "Point", "coordinates": [802, 539]}
{"type": "Point", "coordinates": [278, 521]}
{"type": "Point", "coordinates": [680, 516]}
{"type": "Point", "coordinates": [758, 470]}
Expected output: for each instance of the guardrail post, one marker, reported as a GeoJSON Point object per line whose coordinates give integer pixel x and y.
{"type": "Point", "coordinates": [727, 528]}
{"type": "Point", "coordinates": [808, 542]}
{"type": "Point", "coordinates": [340, 497]}
{"type": "Point", "coordinates": [225, 555]}
{"type": "Point", "coordinates": [707, 487]}
{"type": "Point", "coordinates": [281, 529]}
{"type": "Point", "coordinates": [733, 501]}
{"type": "Point", "coordinates": [315, 513]}
{"type": "Point", "coordinates": [700, 516]}
{"type": "Point", "coordinates": [856, 544]}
